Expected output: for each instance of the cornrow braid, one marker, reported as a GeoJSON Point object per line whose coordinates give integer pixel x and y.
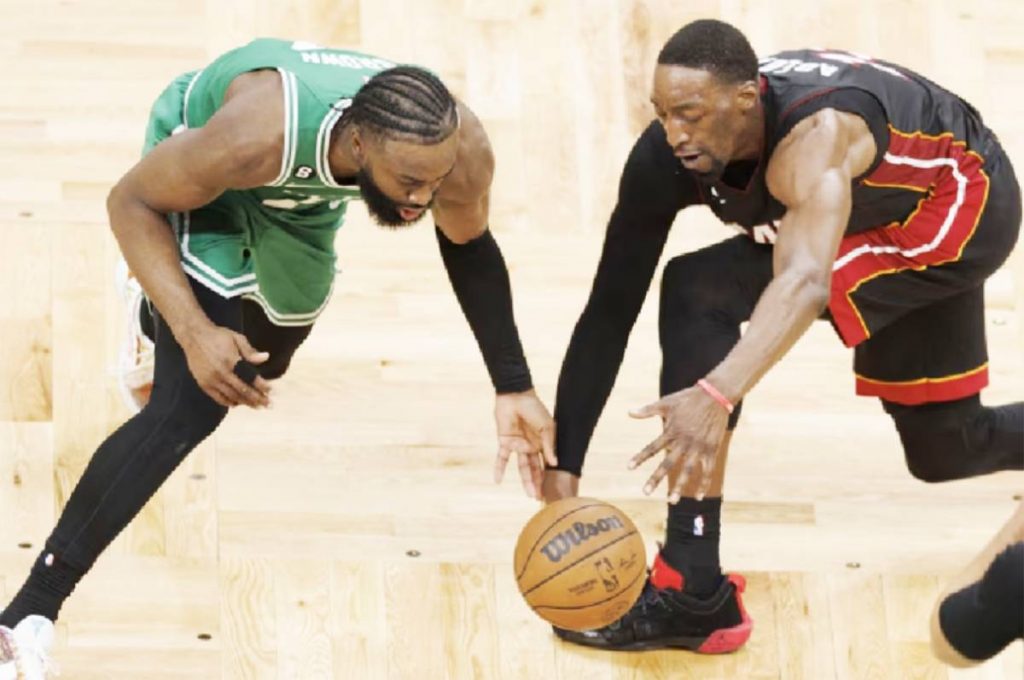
{"type": "Point", "coordinates": [407, 102]}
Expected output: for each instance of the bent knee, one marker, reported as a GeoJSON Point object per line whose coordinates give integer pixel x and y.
{"type": "Point", "coordinates": [273, 370]}
{"type": "Point", "coordinates": [187, 412]}
{"type": "Point", "coordinates": [924, 467]}
{"type": "Point", "coordinates": [935, 437]}
{"type": "Point", "coordinates": [690, 276]}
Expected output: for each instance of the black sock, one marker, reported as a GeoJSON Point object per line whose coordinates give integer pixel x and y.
{"type": "Point", "coordinates": [691, 544]}
{"type": "Point", "coordinates": [44, 592]}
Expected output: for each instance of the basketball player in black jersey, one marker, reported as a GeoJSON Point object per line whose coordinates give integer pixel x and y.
{"type": "Point", "coordinates": [869, 196]}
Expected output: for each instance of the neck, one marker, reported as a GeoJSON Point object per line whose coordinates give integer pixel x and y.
{"type": "Point", "coordinates": [752, 136]}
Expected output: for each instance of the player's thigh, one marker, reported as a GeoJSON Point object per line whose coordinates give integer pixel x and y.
{"type": "Point", "coordinates": [935, 353]}
{"type": "Point", "coordinates": [279, 341]}
{"type": "Point", "coordinates": [728, 276]}
{"type": "Point", "coordinates": [942, 250]}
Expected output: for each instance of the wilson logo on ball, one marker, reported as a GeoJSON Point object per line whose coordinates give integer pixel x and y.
{"type": "Point", "coordinates": [559, 546]}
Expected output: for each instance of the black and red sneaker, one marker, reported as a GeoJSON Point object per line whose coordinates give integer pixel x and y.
{"type": "Point", "coordinates": [666, 617]}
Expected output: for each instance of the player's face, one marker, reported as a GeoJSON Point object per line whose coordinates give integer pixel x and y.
{"type": "Point", "coordinates": [703, 118]}
{"type": "Point", "coordinates": [398, 179]}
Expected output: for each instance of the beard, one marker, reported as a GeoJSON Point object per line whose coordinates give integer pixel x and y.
{"type": "Point", "coordinates": [713, 174]}
{"type": "Point", "coordinates": [383, 209]}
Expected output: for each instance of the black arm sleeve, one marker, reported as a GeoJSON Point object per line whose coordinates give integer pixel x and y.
{"type": "Point", "coordinates": [653, 188]}
{"type": "Point", "coordinates": [983, 618]}
{"type": "Point", "coordinates": [480, 281]}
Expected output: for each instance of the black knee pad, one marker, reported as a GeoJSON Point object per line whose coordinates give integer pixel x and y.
{"type": "Point", "coordinates": [692, 303]}
{"type": "Point", "coordinates": [691, 282]}
{"type": "Point", "coordinates": [271, 370]}
{"type": "Point", "coordinates": [956, 439]}
{"type": "Point", "coordinates": [692, 296]}
{"type": "Point", "coordinates": [934, 437]}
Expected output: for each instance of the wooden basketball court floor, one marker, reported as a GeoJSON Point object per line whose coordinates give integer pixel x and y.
{"type": "Point", "coordinates": [353, 531]}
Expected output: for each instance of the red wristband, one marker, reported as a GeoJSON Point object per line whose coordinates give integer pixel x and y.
{"type": "Point", "coordinates": [716, 395]}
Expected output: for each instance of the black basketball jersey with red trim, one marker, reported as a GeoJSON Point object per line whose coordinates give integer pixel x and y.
{"type": "Point", "coordinates": [932, 142]}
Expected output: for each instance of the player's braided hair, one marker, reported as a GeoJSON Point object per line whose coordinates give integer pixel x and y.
{"type": "Point", "coordinates": [713, 46]}
{"type": "Point", "coordinates": [405, 102]}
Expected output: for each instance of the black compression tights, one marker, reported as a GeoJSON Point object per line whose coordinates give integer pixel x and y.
{"type": "Point", "coordinates": [951, 440]}
{"type": "Point", "coordinates": [134, 461]}
{"type": "Point", "coordinates": [984, 617]}
{"type": "Point", "coordinates": [705, 296]}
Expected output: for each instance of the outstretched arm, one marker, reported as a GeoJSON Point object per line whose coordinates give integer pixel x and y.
{"type": "Point", "coordinates": [480, 280]}
{"type": "Point", "coordinates": [810, 173]}
{"type": "Point", "coordinates": [653, 189]}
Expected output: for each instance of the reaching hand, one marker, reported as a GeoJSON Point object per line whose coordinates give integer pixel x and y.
{"type": "Point", "coordinates": [694, 427]}
{"type": "Point", "coordinates": [525, 427]}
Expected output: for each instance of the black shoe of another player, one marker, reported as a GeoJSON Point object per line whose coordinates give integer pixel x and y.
{"type": "Point", "coordinates": [666, 617]}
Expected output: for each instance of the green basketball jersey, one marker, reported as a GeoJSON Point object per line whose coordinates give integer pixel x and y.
{"type": "Point", "coordinates": [274, 243]}
{"type": "Point", "coordinates": [318, 85]}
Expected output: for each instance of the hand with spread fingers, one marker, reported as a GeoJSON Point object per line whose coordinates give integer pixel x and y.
{"type": "Point", "coordinates": [526, 429]}
{"type": "Point", "coordinates": [694, 425]}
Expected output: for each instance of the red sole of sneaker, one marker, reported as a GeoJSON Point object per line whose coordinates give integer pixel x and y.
{"type": "Point", "coordinates": [728, 639]}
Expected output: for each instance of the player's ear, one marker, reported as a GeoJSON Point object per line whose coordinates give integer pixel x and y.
{"type": "Point", "coordinates": [747, 95]}
{"type": "Point", "coordinates": [358, 145]}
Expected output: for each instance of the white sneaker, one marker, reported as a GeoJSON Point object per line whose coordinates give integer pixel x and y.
{"type": "Point", "coordinates": [25, 651]}
{"type": "Point", "coordinates": [135, 367]}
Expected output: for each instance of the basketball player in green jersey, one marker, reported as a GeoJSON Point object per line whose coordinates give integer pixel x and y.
{"type": "Point", "coordinates": [228, 222]}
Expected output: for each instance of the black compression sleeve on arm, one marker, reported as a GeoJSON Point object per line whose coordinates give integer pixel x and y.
{"type": "Point", "coordinates": [654, 187]}
{"type": "Point", "coordinates": [480, 280]}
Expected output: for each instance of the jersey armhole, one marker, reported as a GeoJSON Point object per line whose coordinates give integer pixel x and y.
{"type": "Point", "coordinates": [289, 88]}
{"type": "Point", "coordinates": [188, 96]}
{"type": "Point", "coordinates": [849, 100]}
{"type": "Point", "coordinates": [323, 142]}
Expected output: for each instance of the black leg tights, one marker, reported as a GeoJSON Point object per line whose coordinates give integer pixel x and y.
{"type": "Point", "coordinates": [131, 465]}
{"type": "Point", "coordinates": [958, 439]}
{"type": "Point", "coordinates": [705, 297]}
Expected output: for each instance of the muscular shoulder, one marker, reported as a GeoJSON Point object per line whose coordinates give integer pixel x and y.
{"type": "Point", "coordinates": [246, 134]}
{"type": "Point", "coordinates": [474, 162]}
{"type": "Point", "coordinates": [823, 131]}
{"type": "Point", "coordinates": [827, 140]}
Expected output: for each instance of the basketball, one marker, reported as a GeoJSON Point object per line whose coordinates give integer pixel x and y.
{"type": "Point", "coordinates": [580, 563]}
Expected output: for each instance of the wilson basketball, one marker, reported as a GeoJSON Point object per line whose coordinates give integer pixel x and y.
{"type": "Point", "coordinates": [580, 563]}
